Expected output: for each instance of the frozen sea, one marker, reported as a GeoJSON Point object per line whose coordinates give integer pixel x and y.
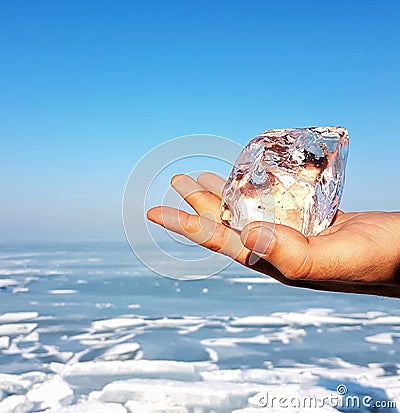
{"type": "Point", "coordinates": [85, 327]}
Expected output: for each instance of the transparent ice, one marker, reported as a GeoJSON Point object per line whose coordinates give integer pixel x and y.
{"type": "Point", "coordinates": [293, 177]}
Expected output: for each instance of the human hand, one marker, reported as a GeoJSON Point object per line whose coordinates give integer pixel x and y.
{"type": "Point", "coordinates": [358, 253]}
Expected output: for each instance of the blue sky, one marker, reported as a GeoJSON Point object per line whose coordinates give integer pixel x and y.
{"type": "Point", "coordinates": [87, 88]}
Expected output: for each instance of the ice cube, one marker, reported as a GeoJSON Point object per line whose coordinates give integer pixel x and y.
{"type": "Point", "coordinates": [293, 177]}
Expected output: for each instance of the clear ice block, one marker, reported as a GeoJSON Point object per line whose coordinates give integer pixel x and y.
{"type": "Point", "coordinates": [293, 177]}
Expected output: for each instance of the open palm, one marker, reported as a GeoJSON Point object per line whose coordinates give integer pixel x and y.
{"type": "Point", "coordinates": [359, 252]}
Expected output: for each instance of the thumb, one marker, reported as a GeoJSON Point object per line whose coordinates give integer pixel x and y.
{"type": "Point", "coordinates": [285, 248]}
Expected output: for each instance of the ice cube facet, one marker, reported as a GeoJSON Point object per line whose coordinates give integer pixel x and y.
{"type": "Point", "coordinates": [293, 177]}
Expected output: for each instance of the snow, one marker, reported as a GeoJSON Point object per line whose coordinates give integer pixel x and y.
{"type": "Point", "coordinates": [14, 384]}
{"type": "Point", "coordinates": [16, 329]}
{"type": "Point", "coordinates": [384, 320]}
{"type": "Point", "coordinates": [60, 292]}
{"type": "Point", "coordinates": [133, 306]}
{"type": "Point", "coordinates": [313, 317]}
{"type": "Point", "coordinates": [261, 376]}
{"type": "Point", "coordinates": [168, 393]}
{"type": "Point", "coordinates": [134, 368]}
{"type": "Point", "coordinates": [30, 271]}
{"type": "Point", "coordinates": [17, 290]}
{"type": "Point", "coordinates": [51, 393]}
{"type": "Point", "coordinates": [253, 280]}
{"type": "Point", "coordinates": [18, 316]}
{"type": "Point", "coordinates": [119, 322]}
{"type": "Point", "coordinates": [185, 321]}
{"type": "Point", "coordinates": [89, 407]}
{"type": "Point", "coordinates": [316, 318]}
{"type": "Point", "coordinates": [285, 335]}
{"type": "Point", "coordinates": [88, 356]}
{"type": "Point", "coordinates": [382, 338]}
{"type": "Point", "coordinates": [137, 407]}
{"type": "Point", "coordinates": [16, 404]}
{"type": "Point", "coordinates": [7, 282]}
{"type": "Point", "coordinates": [29, 338]}
{"type": "Point", "coordinates": [4, 342]}
{"type": "Point", "coordinates": [122, 351]}
{"type": "Point", "coordinates": [258, 321]}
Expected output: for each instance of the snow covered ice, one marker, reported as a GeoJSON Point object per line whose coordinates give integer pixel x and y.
{"type": "Point", "coordinates": [165, 346]}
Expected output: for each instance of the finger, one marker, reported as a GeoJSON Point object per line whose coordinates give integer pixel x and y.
{"type": "Point", "coordinates": [216, 237]}
{"type": "Point", "coordinates": [210, 234]}
{"type": "Point", "coordinates": [212, 183]}
{"type": "Point", "coordinates": [340, 218]}
{"type": "Point", "coordinates": [297, 257]}
{"type": "Point", "coordinates": [201, 200]}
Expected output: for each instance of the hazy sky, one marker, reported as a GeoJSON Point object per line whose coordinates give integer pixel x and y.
{"type": "Point", "coordinates": [87, 88]}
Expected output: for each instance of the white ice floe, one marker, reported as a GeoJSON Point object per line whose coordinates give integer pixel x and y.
{"type": "Point", "coordinates": [91, 407]}
{"type": "Point", "coordinates": [182, 321]}
{"type": "Point", "coordinates": [391, 386]}
{"type": "Point", "coordinates": [29, 338]}
{"type": "Point", "coordinates": [16, 404]}
{"type": "Point", "coordinates": [138, 407]}
{"type": "Point", "coordinates": [253, 280]}
{"type": "Point", "coordinates": [257, 410]}
{"type": "Point", "coordinates": [20, 384]}
{"type": "Point", "coordinates": [341, 370]}
{"type": "Point", "coordinates": [95, 259]}
{"type": "Point", "coordinates": [212, 354]}
{"type": "Point", "coordinates": [382, 338]}
{"type": "Point", "coordinates": [315, 317]}
{"type": "Point", "coordinates": [52, 352]}
{"type": "Point", "coordinates": [157, 369]}
{"type": "Point", "coordinates": [219, 396]}
{"type": "Point", "coordinates": [7, 282]}
{"type": "Point", "coordinates": [102, 306]}
{"type": "Point", "coordinates": [35, 377]}
{"type": "Point", "coordinates": [52, 393]}
{"type": "Point", "coordinates": [262, 376]}
{"type": "Point", "coordinates": [115, 323]}
{"type": "Point", "coordinates": [101, 339]}
{"type": "Point", "coordinates": [384, 320]}
{"type": "Point", "coordinates": [29, 271]}
{"type": "Point", "coordinates": [17, 290]}
{"type": "Point", "coordinates": [124, 351]}
{"type": "Point", "coordinates": [312, 317]}
{"type": "Point", "coordinates": [133, 306]}
{"type": "Point", "coordinates": [259, 321]}
{"type": "Point", "coordinates": [14, 349]}
{"type": "Point", "coordinates": [284, 335]}
{"type": "Point", "coordinates": [14, 384]}
{"type": "Point", "coordinates": [4, 342]}
{"type": "Point", "coordinates": [18, 317]}
{"type": "Point", "coordinates": [16, 329]}
{"type": "Point", "coordinates": [62, 292]}
{"type": "Point", "coordinates": [29, 254]}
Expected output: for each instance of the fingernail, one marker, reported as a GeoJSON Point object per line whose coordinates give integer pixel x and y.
{"type": "Point", "coordinates": [153, 216]}
{"type": "Point", "coordinates": [257, 239]}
